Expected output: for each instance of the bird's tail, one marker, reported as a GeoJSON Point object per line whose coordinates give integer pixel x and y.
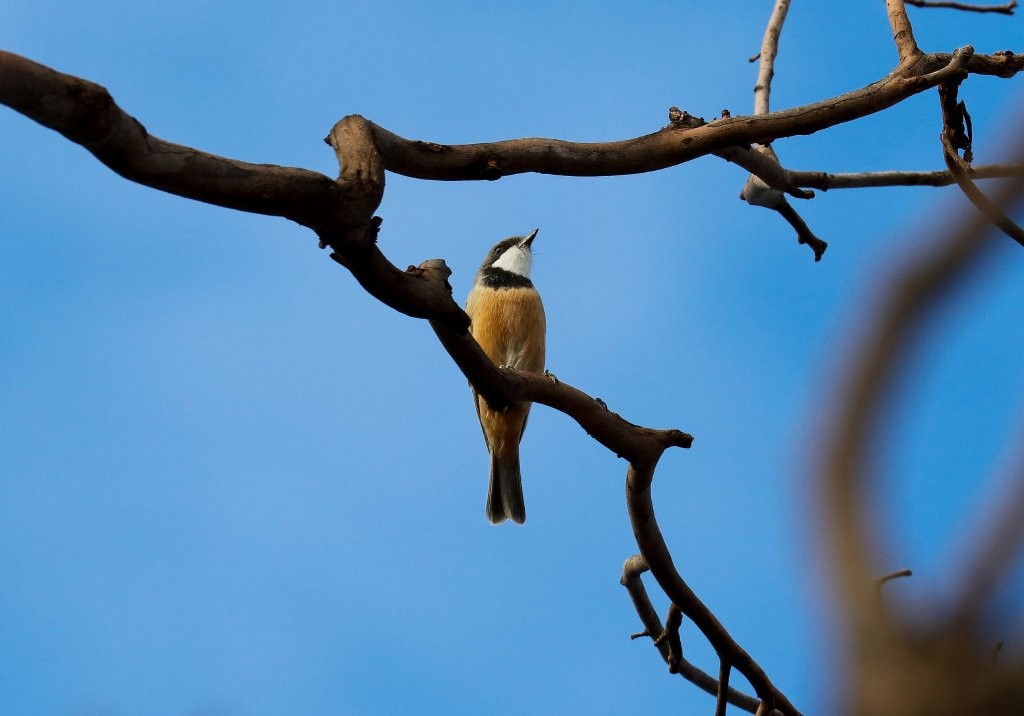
{"type": "Point", "coordinates": [505, 490]}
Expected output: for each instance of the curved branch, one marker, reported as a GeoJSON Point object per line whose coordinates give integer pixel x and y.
{"type": "Point", "coordinates": [671, 145]}
{"type": "Point", "coordinates": [85, 114]}
{"type": "Point", "coordinates": [845, 476]}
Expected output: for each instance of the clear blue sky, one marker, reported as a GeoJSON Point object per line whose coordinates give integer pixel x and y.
{"type": "Point", "coordinates": [231, 483]}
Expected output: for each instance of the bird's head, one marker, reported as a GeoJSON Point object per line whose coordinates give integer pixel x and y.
{"type": "Point", "coordinates": [513, 255]}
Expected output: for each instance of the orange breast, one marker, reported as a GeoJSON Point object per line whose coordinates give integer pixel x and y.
{"type": "Point", "coordinates": [509, 325]}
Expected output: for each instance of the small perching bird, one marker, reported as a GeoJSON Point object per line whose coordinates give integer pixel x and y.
{"type": "Point", "coordinates": [508, 322]}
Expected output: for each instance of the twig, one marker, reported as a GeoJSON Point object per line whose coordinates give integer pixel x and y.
{"type": "Point", "coordinates": [1004, 9]}
{"type": "Point", "coordinates": [893, 575]}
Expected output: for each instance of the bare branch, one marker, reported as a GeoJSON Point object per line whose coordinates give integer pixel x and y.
{"type": "Point", "coordinates": [85, 114]}
{"type": "Point", "coordinates": [769, 50]}
{"type": "Point", "coordinates": [826, 181]}
{"type": "Point", "coordinates": [1004, 9]}
{"type": "Point", "coordinates": [902, 32]}
{"type": "Point", "coordinates": [631, 571]}
{"type": "Point", "coordinates": [674, 144]}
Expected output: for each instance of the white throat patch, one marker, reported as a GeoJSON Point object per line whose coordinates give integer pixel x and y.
{"type": "Point", "coordinates": [515, 260]}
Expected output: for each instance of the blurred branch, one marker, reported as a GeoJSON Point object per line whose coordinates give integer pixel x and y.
{"type": "Point", "coordinates": [882, 581]}
{"type": "Point", "coordinates": [896, 668]}
{"type": "Point", "coordinates": [1005, 8]}
{"type": "Point", "coordinates": [1001, 546]}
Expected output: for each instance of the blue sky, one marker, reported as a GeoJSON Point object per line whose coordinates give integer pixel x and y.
{"type": "Point", "coordinates": [232, 483]}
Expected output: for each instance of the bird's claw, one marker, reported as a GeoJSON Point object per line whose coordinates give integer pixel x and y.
{"type": "Point", "coordinates": [552, 376]}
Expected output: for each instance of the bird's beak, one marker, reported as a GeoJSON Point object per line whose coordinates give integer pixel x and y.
{"type": "Point", "coordinates": [529, 239]}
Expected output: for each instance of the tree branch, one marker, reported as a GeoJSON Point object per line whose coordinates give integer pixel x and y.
{"type": "Point", "coordinates": [86, 114]}
{"type": "Point", "coordinates": [859, 180]}
{"type": "Point", "coordinates": [902, 32]}
{"type": "Point", "coordinates": [1004, 9]}
{"type": "Point", "coordinates": [769, 50]}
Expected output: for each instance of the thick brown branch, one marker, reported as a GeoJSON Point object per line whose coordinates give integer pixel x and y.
{"type": "Point", "coordinates": [631, 580]}
{"type": "Point", "coordinates": [1004, 9]}
{"type": "Point", "coordinates": [85, 113]}
{"type": "Point", "coordinates": [674, 144]}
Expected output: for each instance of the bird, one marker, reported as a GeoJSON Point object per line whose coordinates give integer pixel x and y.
{"type": "Point", "coordinates": [507, 320]}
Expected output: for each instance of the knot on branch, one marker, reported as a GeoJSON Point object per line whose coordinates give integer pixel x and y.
{"type": "Point", "coordinates": [681, 119]}
{"type": "Point", "coordinates": [352, 240]}
{"type": "Point", "coordinates": [435, 270]}
{"type": "Point", "coordinates": [670, 636]}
